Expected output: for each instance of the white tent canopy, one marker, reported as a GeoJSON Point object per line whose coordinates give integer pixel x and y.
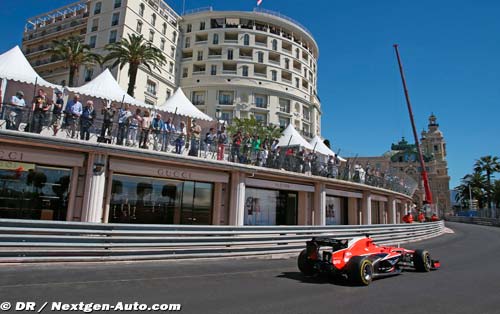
{"type": "Point", "coordinates": [291, 137]}
{"type": "Point", "coordinates": [320, 147]}
{"type": "Point", "coordinates": [181, 105]}
{"type": "Point", "coordinates": [106, 87]}
{"type": "Point", "coordinates": [14, 66]}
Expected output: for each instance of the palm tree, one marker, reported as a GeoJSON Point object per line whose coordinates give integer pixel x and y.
{"type": "Point", "coordinates": [76, 54]}
{"type": "Point", "coordinates": [488, 165]}
{"type": "Point", "coordinates": [476, 182]}
{"type": "Point", "coordinates": [496, 193]}
{"type": "Point", "coordinates": [134, 51]}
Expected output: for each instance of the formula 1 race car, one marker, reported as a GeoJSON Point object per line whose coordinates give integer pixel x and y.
{"type": "Point", "coordinates": [360, 260]}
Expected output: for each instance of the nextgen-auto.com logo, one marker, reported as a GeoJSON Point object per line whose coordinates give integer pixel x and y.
{"type": "Point", "coordinates": [87, 307]}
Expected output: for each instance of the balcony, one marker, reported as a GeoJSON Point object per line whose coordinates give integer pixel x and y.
{"type": "Point", "coordinates": [199, 102]}
{"type": "Point", "coordinates": [226, 102]}
{"type": "Point", "coordinates": [200, 72]}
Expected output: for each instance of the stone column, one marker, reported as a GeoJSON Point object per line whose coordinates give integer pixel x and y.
{"type": "Point", "coordinates": [392, 208]}
{"type": "Point", "coordinates": [367, 208]}
{"type": "Point", "coordinates": [93, 196]}
{"type": "Point", "coordinates": [319, 204]}
{"type": "Point", "coordinates": [303, 209]}
{"type": "Point", "coordinates": [237, 202]}
{"type": "Point", "coordinates": [216, 215]}
{"type": "Point", "coordinates": [107, 202]}
{"type": "Point", "coordinates": [72, 193]}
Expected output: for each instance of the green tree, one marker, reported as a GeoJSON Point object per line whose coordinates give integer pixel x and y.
{"type": "Point", "coordinates": [488, 165]}
{"type": "Point", "coordinates": [253, 126]}
{"type": "Point", "coordinates": [496, 193]}
{"type": "Point", "coordinates": [76, 54]}
{"type": "Point", "coordinates": [134, 51]}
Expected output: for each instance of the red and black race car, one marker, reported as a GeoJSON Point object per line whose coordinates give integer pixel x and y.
{"type": "Point", "coordinates": [360, 260]}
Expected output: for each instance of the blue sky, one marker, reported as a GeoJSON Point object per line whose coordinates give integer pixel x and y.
{"type": "Point", "coordinates": [450, 51]}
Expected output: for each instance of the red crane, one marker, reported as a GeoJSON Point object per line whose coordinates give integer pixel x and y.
{"type": "Point", "coordinates": [425, 178]}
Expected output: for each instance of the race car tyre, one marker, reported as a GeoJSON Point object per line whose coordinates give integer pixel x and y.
{"type": "Point", "coordinates": [422, 261]}
{"type": "Point", "coordinates": [360, 270]}
{"type": "Point", "coordinates": [306, 266]}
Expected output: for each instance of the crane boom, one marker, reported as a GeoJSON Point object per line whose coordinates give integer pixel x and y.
{"type": "Point", "coordinates": [425, 177]}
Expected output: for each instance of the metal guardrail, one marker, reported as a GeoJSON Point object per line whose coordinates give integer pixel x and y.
{"type": "Point", "coordinates": [475, 220]}
{"type": "Point", "coordinates": [42, 241]}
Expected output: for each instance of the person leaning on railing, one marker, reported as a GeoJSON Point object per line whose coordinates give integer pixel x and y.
{"type": "Point", "coordinates": [40, 108]}
{"type": "Point", "coordinates": [221, 142]}
{"type": "Point", "coordinates": [57, 111]}
{"type": "Point", "coordinates": [145, 129]}
{"type": "Point", "coordinates": [73, 111]}
{"type": "Point", "coordinates": [168, 132]}
{"type": "Point", "coordinates": [15, 114]}
{"type": "Point", "coordinates": [181, 137]}
{"type": "Point", "coordinates": [87, 120]}
{"type": "Point", "coordinates": [108, 115]}
{"type": "Point", "coordinates": [157, 125]}
{"type": "Point", "coordinates": [123, 121]}
{"type": "Point", "coordinates": [195, 133]}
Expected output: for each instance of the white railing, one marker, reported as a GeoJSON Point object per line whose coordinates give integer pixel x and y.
{"type": "Point", "coordinates": [48, 241]}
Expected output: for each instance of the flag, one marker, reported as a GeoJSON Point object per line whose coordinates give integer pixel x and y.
{"type": "Point", "coordinates": [259, 2]}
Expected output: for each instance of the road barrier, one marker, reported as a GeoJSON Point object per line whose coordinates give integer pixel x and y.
{"type": "Point", "coordinates": [475, 220]}
{"type": "Point", "coordinates": [42, 241]}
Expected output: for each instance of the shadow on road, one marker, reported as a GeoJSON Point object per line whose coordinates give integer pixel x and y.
{"type": "Point", "coordinates": [317, 279]}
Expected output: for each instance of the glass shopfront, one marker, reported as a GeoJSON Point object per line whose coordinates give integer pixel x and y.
{"type": "Point", "coordinates": [147, 200]}
{"type": "Point", "coordinates": [336, 210]}
{"type": "Point", "coordinates": [30, 191]}
{"type": "Point", "coordinates": [270, 207]}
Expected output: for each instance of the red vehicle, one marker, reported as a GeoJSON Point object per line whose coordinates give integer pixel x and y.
{"type": "Point", "coordinates": [360, 260]}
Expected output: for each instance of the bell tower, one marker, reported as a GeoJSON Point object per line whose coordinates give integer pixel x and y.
{"type": "Point", "coordinates": [434, 144]}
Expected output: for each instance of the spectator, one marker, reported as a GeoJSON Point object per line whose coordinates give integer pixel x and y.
{"type": "Point", "coordinates": [124, 116]}
{"type": "Point", "coordinates": [87, 120]}
{"type": "Point", "coordinates": [247, 149]}
{"type": "Point", "coordinates": [73, 112]}
{"type": "Point", "coordinates": [15, 116]}
{"type": "Point", "coordinates": [108, 115]}
{"type": "Point", "coordinates": [210, 138]}
{"type": "Point", "coordinates": [157, 126]}
{"type": "Point", "coordinates": [40, 108]}
{"type": "Point", "coordinates": [145, 129]}
{"type": "Point", "coordinates": [135, 123]}
{"type": "Point", "coordinates": [255, 148]}
{"type": "Point", "coordinates": [195, 138]}
{"type": "Point", "coordinates": [180, 141]}
{"type": "Point", "coordinates": [235, 149]}
{"type": "Point", "coordinates": [221, 141]}
{"type": "Point", "coordinates": [57, 112]}
{"type": "Point", "coordinates": [168, 132]}
{"type": "Point", "coordinates": [434, 217]}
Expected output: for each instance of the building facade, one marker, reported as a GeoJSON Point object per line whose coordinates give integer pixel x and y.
{"type": "Point", "coordinates": [403, 158]}
{"type": "Point", "coordinates": [50, 178]}
{"type": "Point", "coordinates": [242, 64]}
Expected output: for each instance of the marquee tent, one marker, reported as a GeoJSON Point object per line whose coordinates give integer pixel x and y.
{"type": "Point", "coordinates": [105, 86]}
{"type": "Point", "coordinates": [320, 147]}
{"type": "Point", "coordinates": [291, 137]}
{"type": "Point", "coordinates": [181, 105]}
{"type": "Point", "coordinates": [14, 66]}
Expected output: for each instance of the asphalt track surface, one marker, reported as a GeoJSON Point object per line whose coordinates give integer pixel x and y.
{"type": "Point", "coordinates": [468, 282]}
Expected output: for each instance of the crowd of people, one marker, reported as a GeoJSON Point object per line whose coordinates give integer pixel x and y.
{"type": "Point", "coordinates": [125, 126]}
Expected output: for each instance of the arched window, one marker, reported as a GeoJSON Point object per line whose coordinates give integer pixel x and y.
{"type": "Point", "coordinates": [153, 19]}
{"type": "Point", "coordinates": [164, 30]}
{"type": "Point", "coordinates": [275, 44]}
{"type": "Point", "coordinates": [246, 40]}
{"type": "Point", "coordinates": [245, 70]}
{"type": "Point", "coordinates": [297, 53]}
{"type": "Point", "coordinates": [141, 9]}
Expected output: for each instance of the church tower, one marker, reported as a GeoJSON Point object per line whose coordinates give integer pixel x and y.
{"type": "Point", "coordinates": [433, 143]}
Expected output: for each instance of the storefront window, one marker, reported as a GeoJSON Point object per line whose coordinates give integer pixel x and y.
{"type": "Point", "coordinates": [29, 191]}
{"type": "Point", "coordinates": [336, 210]}
{"type": "Point", "coordinates": [144, 200]}
{"type": "Point", "coordinates": [270, 207]}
